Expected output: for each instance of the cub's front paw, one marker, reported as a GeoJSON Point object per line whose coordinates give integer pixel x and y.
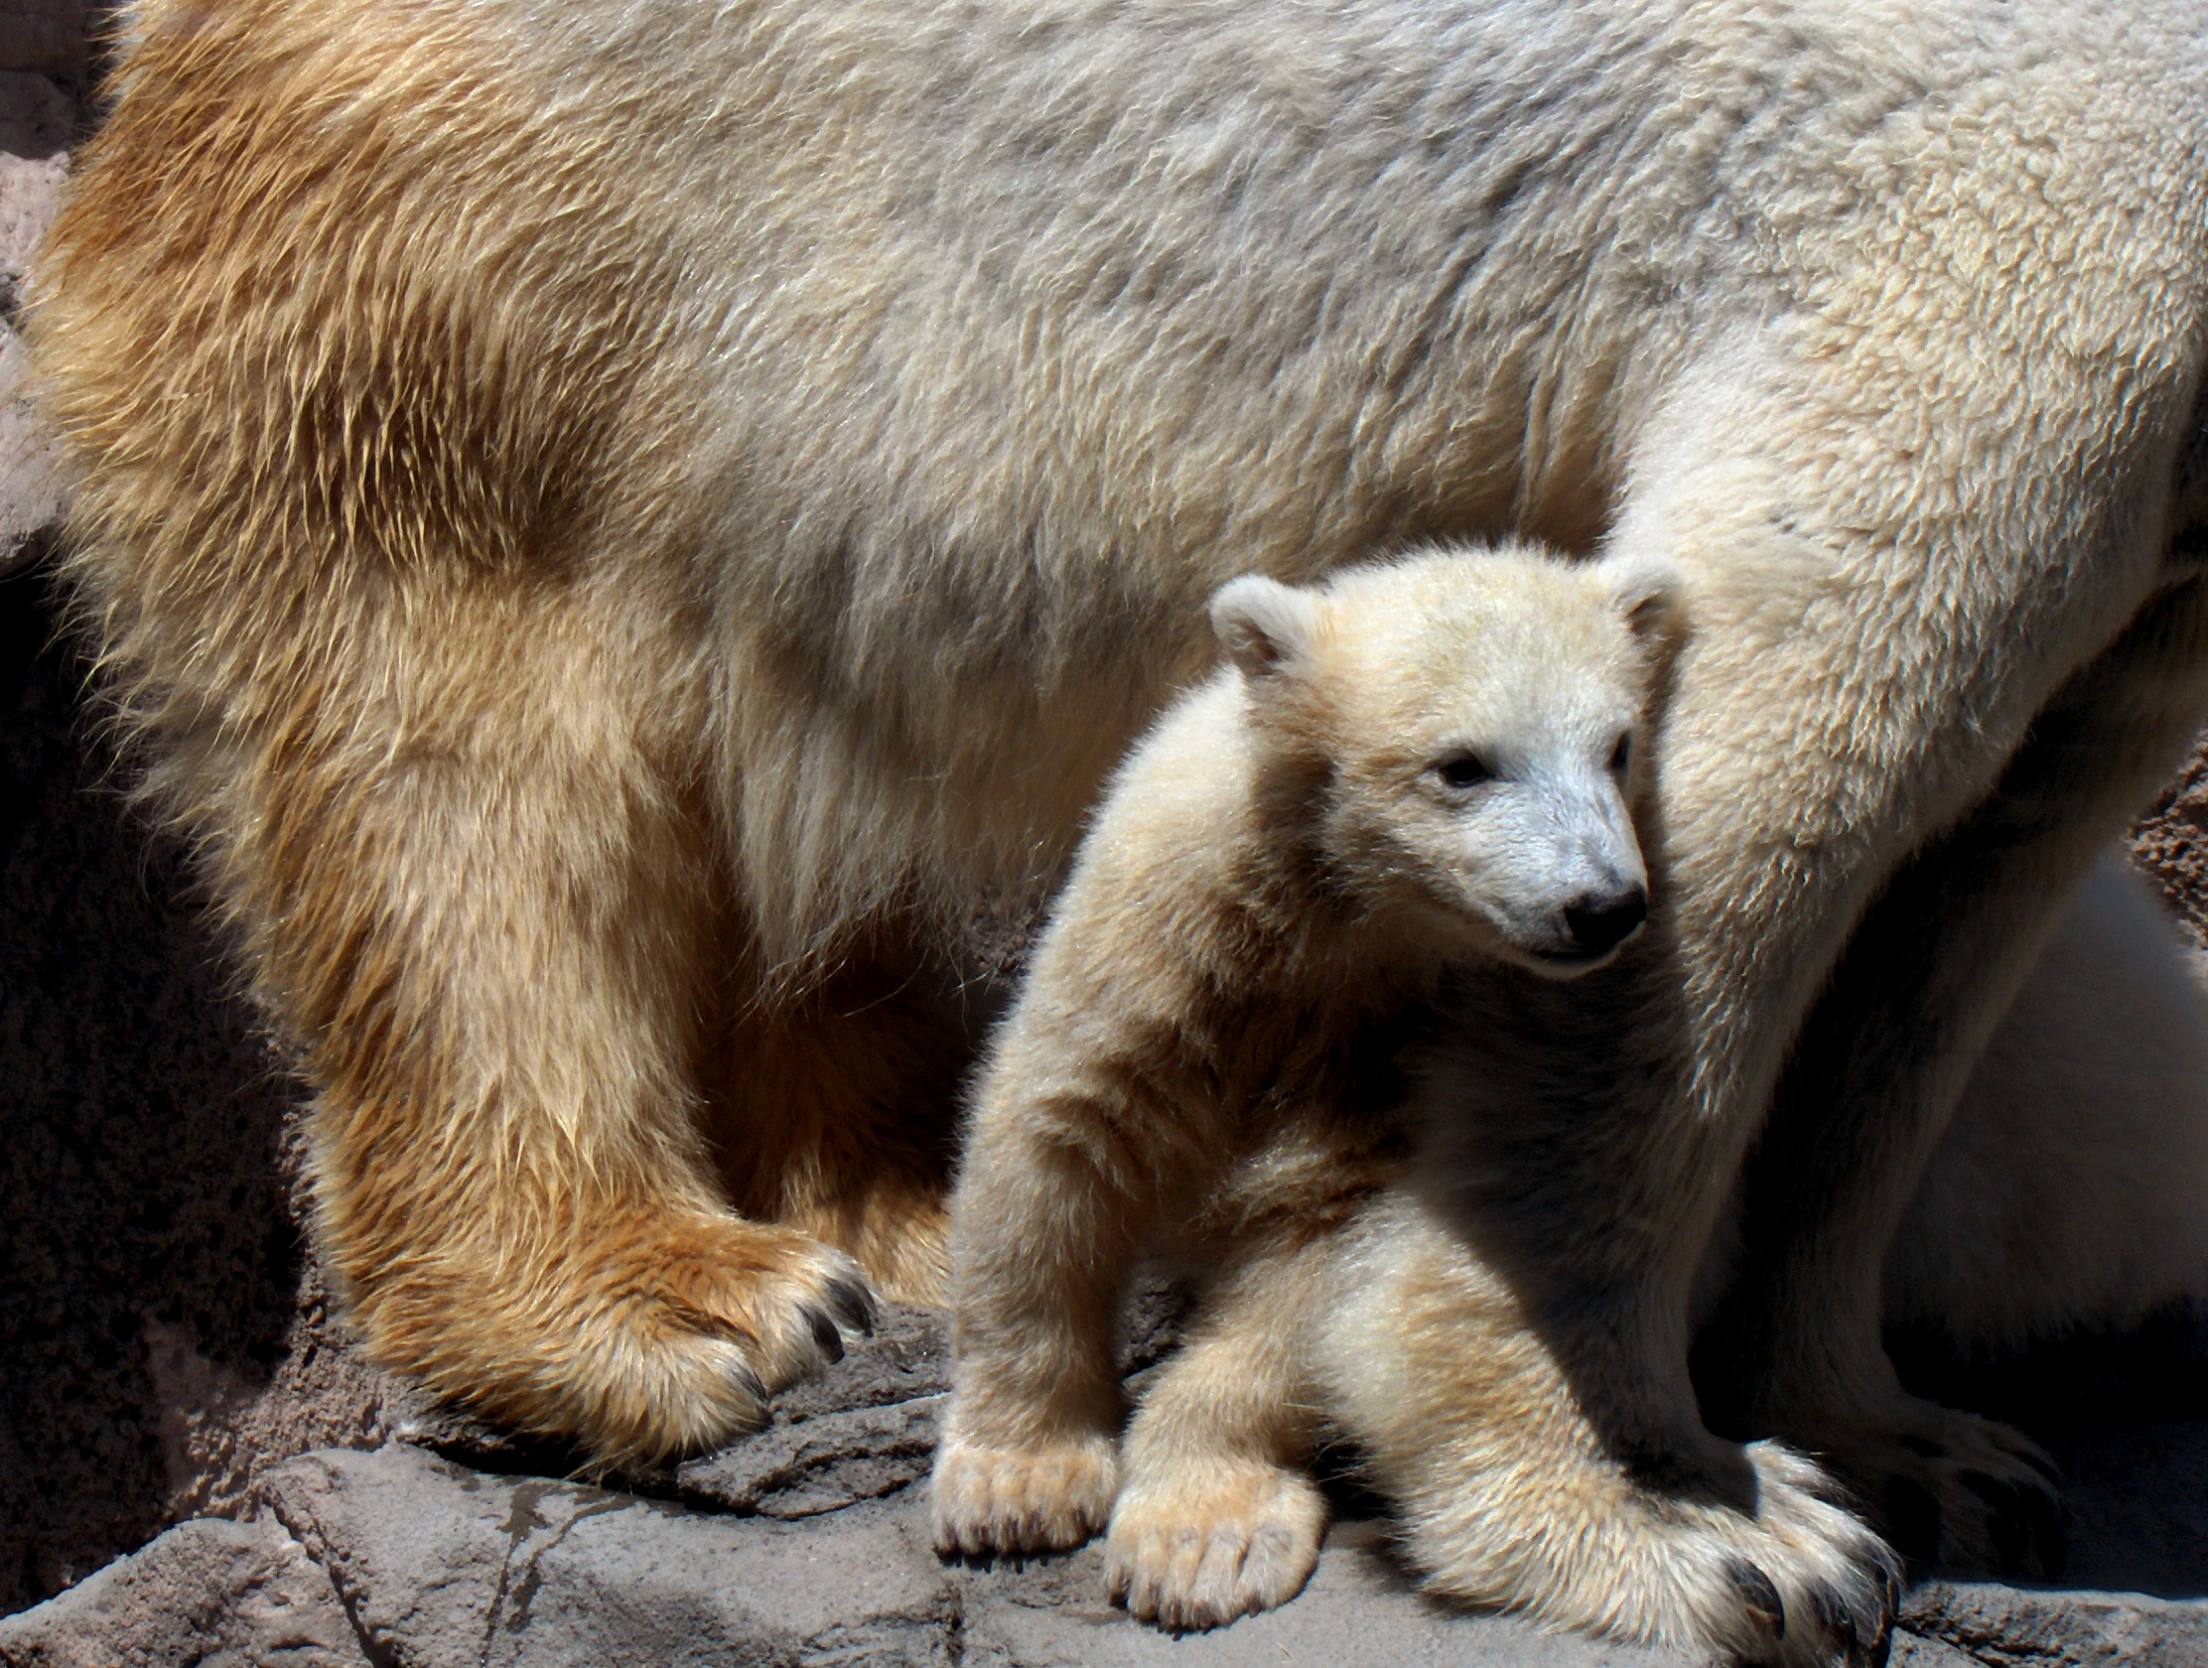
{"type": "Point", "coordinates": [1199, 1552]}
{"type": "Point", "coordinates": [1802, 1580]}
{"type": "Point", "coordinates": [1949, 1487]}
{"type": "Point", "coordinates": [1775, 1573]}
{"type": "Point", "coordinates": [1006, 1500]}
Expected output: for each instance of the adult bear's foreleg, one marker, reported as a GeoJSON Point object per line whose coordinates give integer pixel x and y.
{"type": "Point", "coordinates": [1876, 1075]}
{"type": "Point", "coordinates": [477, 879]}
{"type": "Point", "coordinates": [1875, 617]}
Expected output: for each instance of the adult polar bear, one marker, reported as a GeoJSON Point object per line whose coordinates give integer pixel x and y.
{"type": "Point", "coordinates": [626, 523]}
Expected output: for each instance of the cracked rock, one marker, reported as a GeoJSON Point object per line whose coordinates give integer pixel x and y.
{"type": "Point", "coordinates": [213, 1592]}
{"type": "Point", "coordinates": [2009, 1627]}
{"type": "Point", "coordinates": [808, 1543]}
{"type": "Point", "coordinates": [442, 1566]}
{"type": "Point", "coordinates": [818, 1465]}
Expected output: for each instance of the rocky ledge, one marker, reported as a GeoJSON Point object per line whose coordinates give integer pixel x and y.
{"type": "Point", "coordinates": [808, 1544]}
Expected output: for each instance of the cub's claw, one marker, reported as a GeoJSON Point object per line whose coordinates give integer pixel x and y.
{"type": "Point", "coordinates": [1759, 1595]}
{"type": "Point", "coordinates": [749, 1385]}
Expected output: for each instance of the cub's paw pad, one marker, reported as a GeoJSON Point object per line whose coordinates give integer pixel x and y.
{"type": "Point", "coordinates": [995, 1501]}
{"type": "Point", "coordinates": [1189, 1556]}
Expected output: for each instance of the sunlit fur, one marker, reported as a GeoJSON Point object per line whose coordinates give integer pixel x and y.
{"type": "Point", "coordinates": [630, 530]}
{"type": "Point", "coordinates": [1273, 879]}
{"type": "Point", "coordinates": [1436, 1364]}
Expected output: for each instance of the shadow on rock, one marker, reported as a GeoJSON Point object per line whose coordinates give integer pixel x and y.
{"type": "Point", "coordinates": [2126, 1417]}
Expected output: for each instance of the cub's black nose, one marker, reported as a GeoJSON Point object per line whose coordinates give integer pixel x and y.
{"type": "Point", "coordinates": [1598, 924]}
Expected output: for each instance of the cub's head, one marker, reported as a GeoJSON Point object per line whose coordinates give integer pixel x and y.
{"type": "Point", "coordinates": [1473, 725]}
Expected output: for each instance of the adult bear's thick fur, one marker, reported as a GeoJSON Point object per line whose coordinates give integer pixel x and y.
{"type": "Point", "coordinates": [627, 528]}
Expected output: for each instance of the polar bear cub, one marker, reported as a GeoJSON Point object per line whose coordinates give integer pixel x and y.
{"type": "Point", "coordinates": [1420, 763]}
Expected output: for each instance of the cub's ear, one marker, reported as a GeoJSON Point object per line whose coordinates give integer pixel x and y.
{"type": "Point", "coordinates": [1647, 589]}
{"type": "Point", "coordinates": [1264, 625]}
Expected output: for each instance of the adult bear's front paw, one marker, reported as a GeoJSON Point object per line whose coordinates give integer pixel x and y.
{"type": "Point", "coordinates": [1948, 1487]}
{"type": "Point", "coordinates": [656, 1336]}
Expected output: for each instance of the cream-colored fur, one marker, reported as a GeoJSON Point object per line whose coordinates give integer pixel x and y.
{"type": "Point", "coordinates": [1422, 765]}
{"type": "Point", "coordinates": [1436, 1364]}
{"type": "Point", "coordinates": [625, 526]}
{"type": "Point", "coordinates": [2067, 1194]}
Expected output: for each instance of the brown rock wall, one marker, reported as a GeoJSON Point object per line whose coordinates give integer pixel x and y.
{"type": "Point", "coordinates": [2171, 844]}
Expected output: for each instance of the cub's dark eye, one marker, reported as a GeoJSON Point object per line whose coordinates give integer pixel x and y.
{"type": "Point", "coordinates": [1622, 754]}
{"type": "Point", "coordinates": [1462, 770]}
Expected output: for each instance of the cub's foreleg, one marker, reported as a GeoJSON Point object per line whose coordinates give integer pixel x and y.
{"type": "Point", "coordinates": [1216, 1518]}
{"type": "Point", "coordinates": [1059, 1185]}
{"type": "Point", "coordinates": [1478, 1407]}
{"type": "Point", "coordinates": [1877, 1075]}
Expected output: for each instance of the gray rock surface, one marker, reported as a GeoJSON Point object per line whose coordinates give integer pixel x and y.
{"type": "Point", "coordinates": [235, 1595]}
{"type": "Point", "coordinates": [439, 1566]}
{"type": "Point", "coordinates": [2012, 1628]}
{"type": "Point", "coordinates": [807, 1544]}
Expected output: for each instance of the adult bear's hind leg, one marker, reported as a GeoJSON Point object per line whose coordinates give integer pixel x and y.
{"type": "Point", "coordinates": [2066, 1194]}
